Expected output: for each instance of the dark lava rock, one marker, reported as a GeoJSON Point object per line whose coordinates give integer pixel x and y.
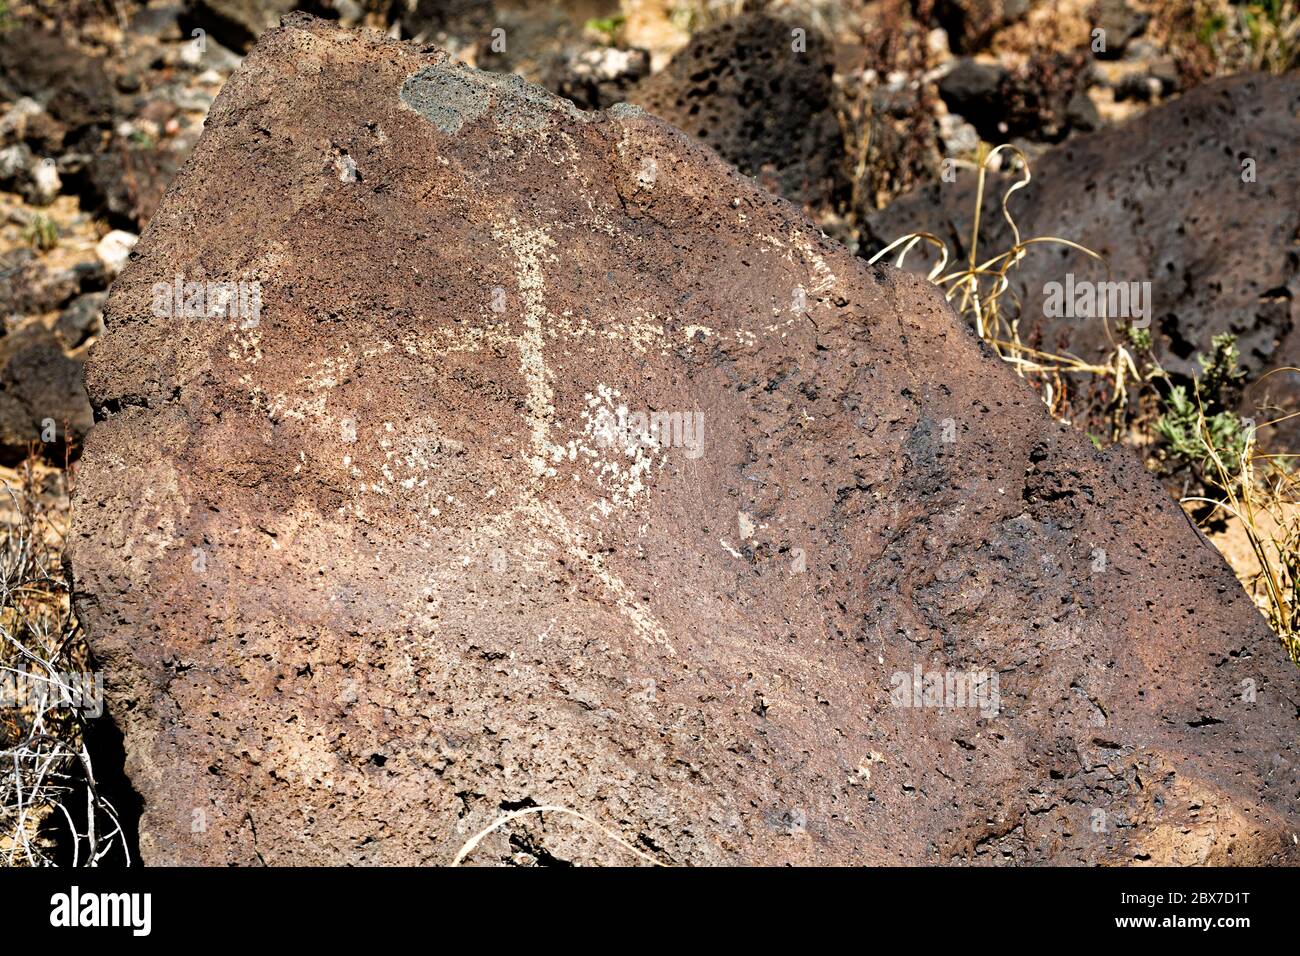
{"type": "Point", "coordinates": [82, 319]}
{"type": "Point", "coordinates": [71, 85]}
{"type": "Point", "coordinates": [1041, 100]}
{"type": "Point", "coordinates": [238, 23]}
{"type": "Point", "coordinates": [1139, 87]}
{"type": "Point", "coordinates": [42, 400]}
{"type": "Point", "coordinates": [160, 22]}
{"type": "Point", "coordinates": [973, 90]}
{"type": "Point", "coordinates": [765, 107]}
{"type": "Point", "coordinates": [128, 180]}
{"type": "Point", "coordinates": [388, 562]}
{"type": "Point", "coordinates": [1121, 22]}
{"type": "Point", "coordinates": [1163, 199]}
{"type": "Point", "coordinates": [1081, 113]}
{"type": "Point", "coordinates": [971, 23]}
{"type": "Point", "coordinates": [597, 79]}
{"type": "Point", "coordinates": [27, 287]}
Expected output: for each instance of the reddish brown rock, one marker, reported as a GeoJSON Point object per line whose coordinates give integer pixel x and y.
{"type": "Point", "coordinates": [374, 572]}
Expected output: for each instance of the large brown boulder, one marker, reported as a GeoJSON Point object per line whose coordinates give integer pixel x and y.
{"type": "Point", "coordinates": [385, 566]}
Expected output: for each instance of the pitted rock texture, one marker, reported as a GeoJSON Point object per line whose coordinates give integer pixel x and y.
{"type": "Point", "coordinates": [1167, 199]}
{"type": "Point", "coordinates": [376, 571]}
{"type": "Point", "coordinates": [972, 23]}
{"type": "Point", "coordinates": [42, 401]}
{"type": "Point", "coordinates": [760, 94]}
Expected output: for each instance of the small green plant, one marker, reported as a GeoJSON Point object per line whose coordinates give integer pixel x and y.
{"type": "Point", "coordinates": [1191, 436]}
{"type": "Point", "coordinates": [606, 27]}
{"type": "Point", "coordinates": [1210, 26]}
{"type": "Point", "coordinates": [1138, 339]}
{"type": "Point", "coordinates": [1198, 426]}
{"type": "Point", "coordinates": [1264, 35]}
{"type": "Point", "coordinates": [41, 233]}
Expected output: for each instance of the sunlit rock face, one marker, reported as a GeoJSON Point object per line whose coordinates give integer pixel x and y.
{"type": "Point", "coordinates": [494, 456]}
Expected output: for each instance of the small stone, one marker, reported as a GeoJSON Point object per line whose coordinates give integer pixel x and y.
{"type": "Point", "coordinates": [82, 319]}
{"type": "Point", "coordinates": [973, 90]}
{"type": "Point", "coordinates": [350, 12]}
{"type": "Point", "coordinates": [1122, 23]}
{"type": "Point", "coordinates": [243, 21]}
{"type": "Point", "coordinates": [114, 250]}
{"type": "Point", "coordinates": [936, 43]}
{"type": "Point", "coordinates": [160, 22]}
{"type": "Point", "coordinates": [1165, 72]}
{"type": "Point", "coordinates": [45, 183]}
{"type": "Point", "coordinates": [959, 137]}
{"type": "Point", "coordinates": [14, 123]}
{"type": "Point", "coordinates": [1081, 113]}
{"type": "Point", "coordinates": [597, 79]}
{"type": "Point", "coordinates": [1137, 86]}
{"type": "Point", "coordinates": [14, 162]}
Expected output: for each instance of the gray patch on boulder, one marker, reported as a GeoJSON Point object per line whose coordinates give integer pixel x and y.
{"type": "Point", "coordinates": [448, 97]}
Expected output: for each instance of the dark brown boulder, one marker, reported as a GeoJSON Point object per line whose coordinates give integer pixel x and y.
{"type": "Point", "coordinates": [760, 94]}
{"type": "Point", "coordinates": [385, 566]}
{"type": "Point", "coordinates": [70, 84]}
{"type": "Point", "coordinates": [971, 24]}
{"type": "Point", "coordinates": [1168, 199]}
{"type": "Point", "coordinates": [42, 399]}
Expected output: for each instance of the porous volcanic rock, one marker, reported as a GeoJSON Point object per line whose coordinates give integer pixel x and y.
{"type": "Point", "coordinates": [375, 571]}
{"type": "Point", "coordinates": [1164, 198]}
{"type": "Point", "coordinates": [765, 106]}
{"type": "Point", "coordinates": [42, 400]}
{"type": "Point", "coordinates": [238, 23]}
{"type": "Point", "coordinates": [972, 23]}
{"type": "Point", "coordinates": [70, 85]}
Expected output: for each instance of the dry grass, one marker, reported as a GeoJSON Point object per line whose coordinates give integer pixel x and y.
{"type": "Point", "coordinates": [48, 796]}
{"type": "Point", "coordinates": [981, 291]}
{"type": "Point", "coordinates": [1259, 495]}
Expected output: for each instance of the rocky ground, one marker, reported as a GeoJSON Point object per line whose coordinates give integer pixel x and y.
{"type": "Point", "coordinates": [855, 112]}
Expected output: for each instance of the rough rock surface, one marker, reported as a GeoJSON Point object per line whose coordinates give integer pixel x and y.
{"type": "Point", "coordinates": [372, 573]}
{"type": "Point", "coordinates": [42, 400]}
{"type": "Point", "coordinates": [1163, 199]}
{"type": "Point", "coordinates": [764, 106]}
{"type": "Point", "coordinates": [237, 23]}
{"type": "Point", "coordinates": [71, 86]}
{"type": "Point", "coordinates": [972, 23]}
